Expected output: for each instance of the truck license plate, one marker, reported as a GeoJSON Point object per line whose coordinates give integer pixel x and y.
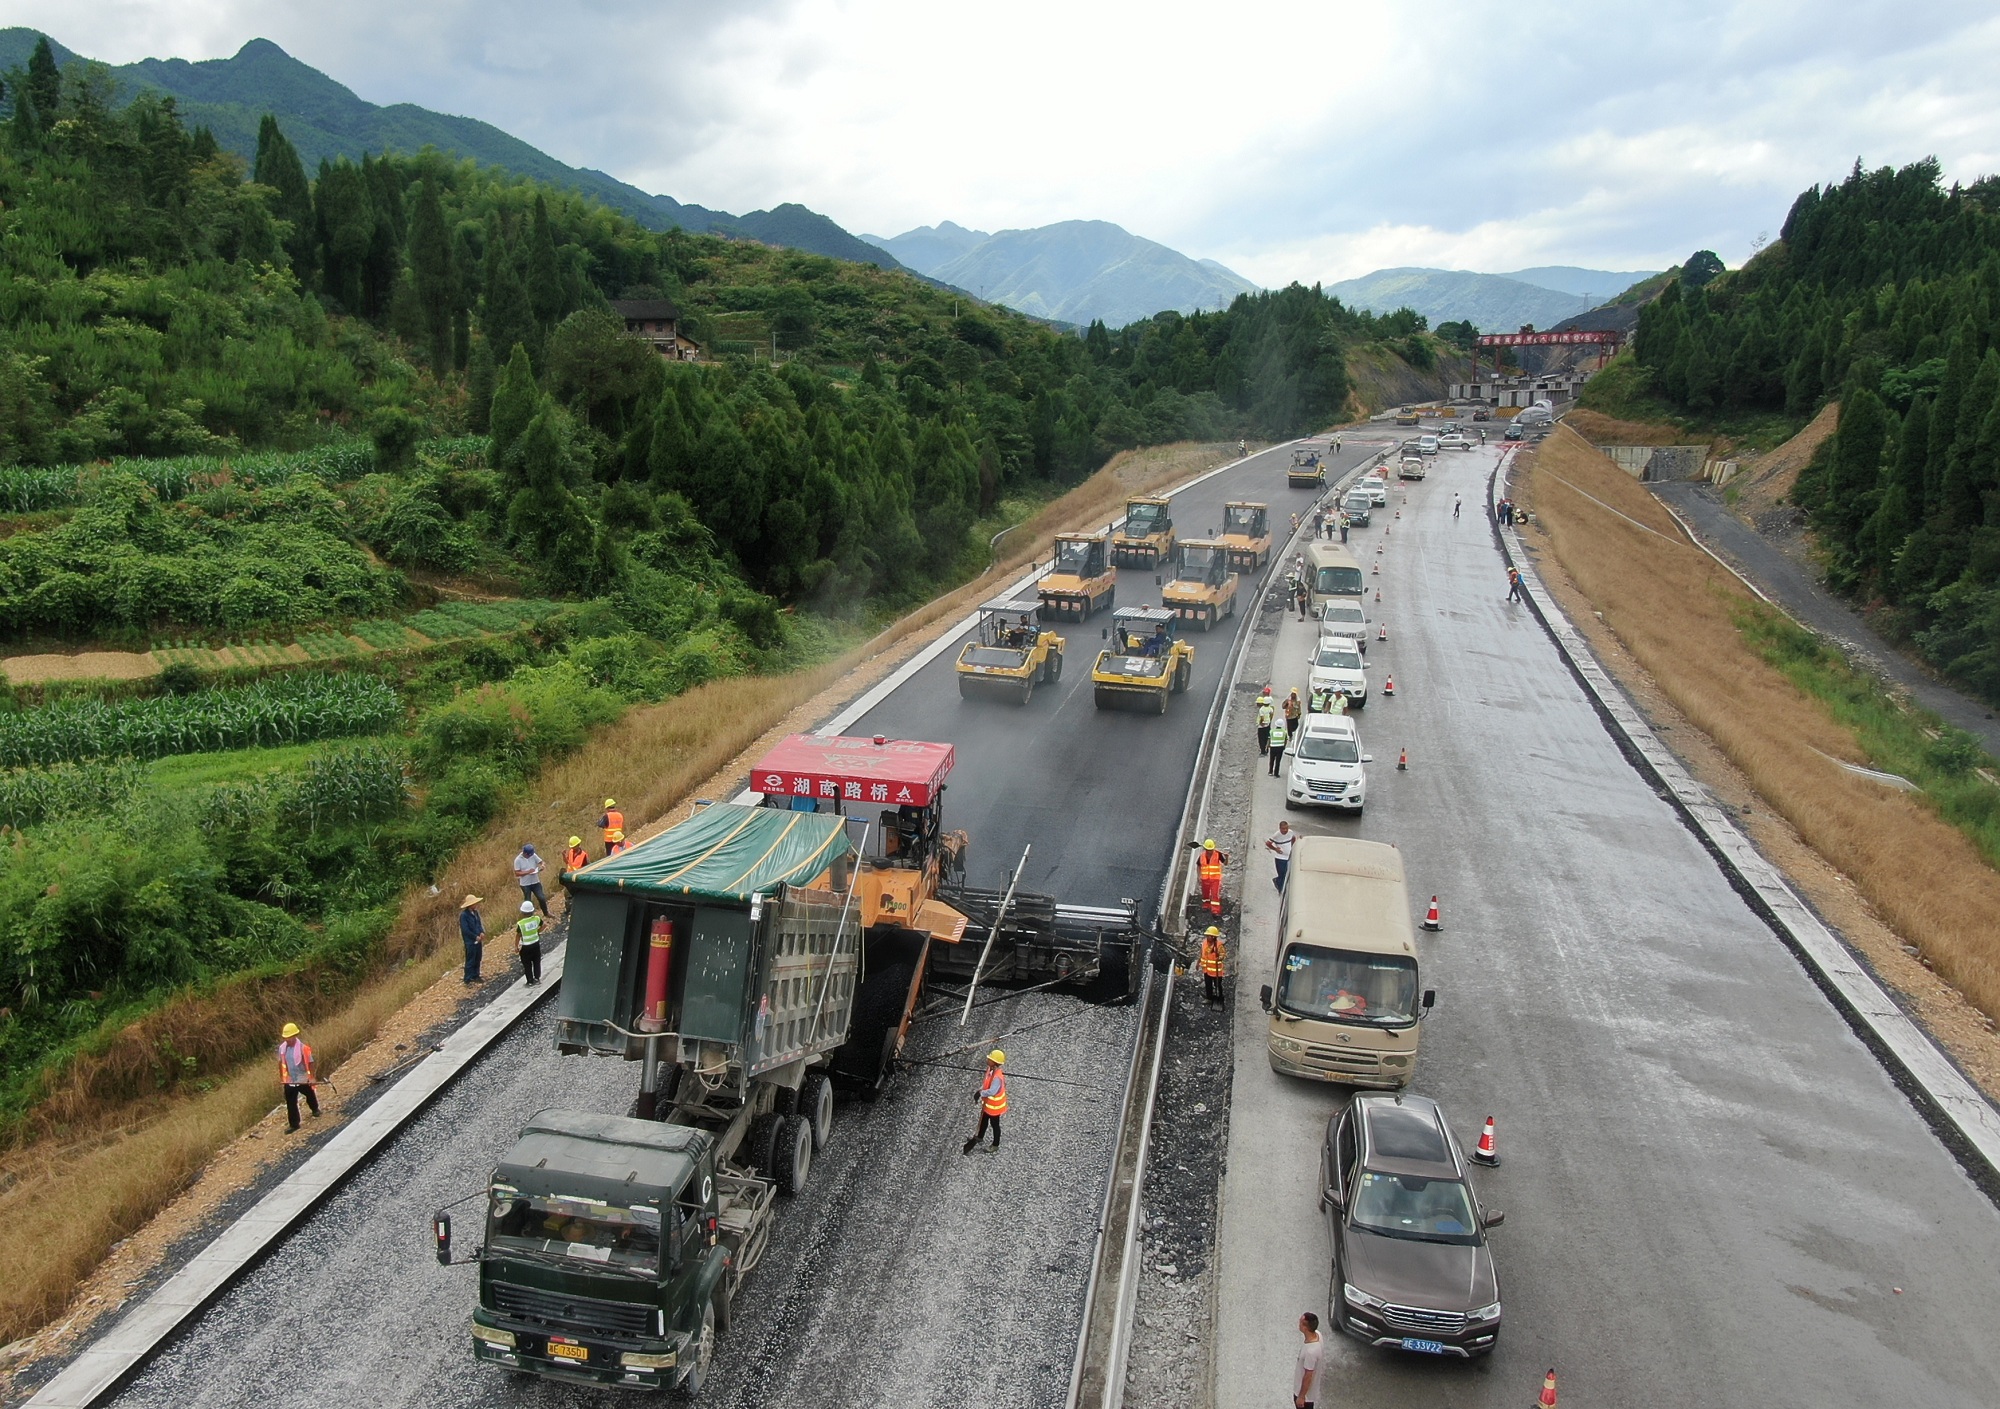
{"type": "Point", "coordinates": [582, 1352]}
{"type": "Point", "coordinates": [1422, 1347]}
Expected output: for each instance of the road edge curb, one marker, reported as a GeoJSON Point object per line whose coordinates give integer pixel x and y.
{"type": "Point", "coordinates": [1963, 1118]}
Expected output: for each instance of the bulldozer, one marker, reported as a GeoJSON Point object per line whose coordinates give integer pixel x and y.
{"type": "Point", "coordinates": [1148, 536]}
{"type": "Point", "coordinates": [1145, 663]}
{"type": "Point", "coordinates": [1009, 655]}
{"type": "Point", "coordinates": [1080, 582]}
{"type": "Point", "coordinates": [1203, 589]}
{"type": "Point", "coordinates": [1246, 533]}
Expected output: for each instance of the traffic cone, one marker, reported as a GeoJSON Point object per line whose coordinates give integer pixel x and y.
{"type": "Point", "coordinates": [1431, 921]}
{"type": "Point", "coordinates": [1388, 684]}
{"type": "Point", "coordinates": [1485, 1153]}
{"type": "Point", "coordinates": [1378, 550]}
{"type": "Point", "coordinates": [1399, 513]}
{"type": "Point", "coordinates": [1403, 761]}
{"type": "Point", "coordinates": [1378, 594]}
{"type": "Point", "coordinates": [1548, 1396]}
{"type": "Point", "coordinates": [1376, 570]}
{"type": "Point", "coordinates": [1382, 633]}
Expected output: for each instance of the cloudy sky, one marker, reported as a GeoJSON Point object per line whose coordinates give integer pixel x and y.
{"type": "Point", "coordinates": [1290, 140]}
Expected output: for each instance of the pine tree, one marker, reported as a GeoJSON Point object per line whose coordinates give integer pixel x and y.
{"type": "Point", "coordinates": [1960, 365]}
{"type": "Point", "coordinates": [278, 166]}
{"type": "Point", "coordinates": [544, 517]}
{"type": "Point", "coordinates": [480, 376]}
{"type": "Point", "coordinates": [39, 97]}
{"type": "Point", "coordinates": [431, 275]}
{"type": "Point", "coordinates": [1958, 505]}
{"type": "Point", "coordinates": [670, 452]}
{"type": "Point", "coordinates": [545, 281]}
{"type": "Point", "coordinates": [505, 316]}
{"type": "Point", "coordinates": [1855, 469]}
{"type": "Point", "coordinates": [516, 399]}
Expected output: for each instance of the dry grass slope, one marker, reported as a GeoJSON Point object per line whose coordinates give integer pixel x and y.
{"type": "Point", "coordinates": [1769, 478]}
{"type": "Point", "coordinates": [1674, 608]}
{"type": "Point", "coordinates": [1600, 429]}
{"type": "Point", "coordinates": [111, 1162]}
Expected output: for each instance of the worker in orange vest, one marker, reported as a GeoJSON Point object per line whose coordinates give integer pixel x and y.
{"type": "Point", "coordinates": [616, 842]}
{"type": "Point", "coordinates": [992, 1099]}
{"type": "Point", "coordinates": [575, 858]}
{"type": "Point", "coordinates": [1211, 965]}
{"type": "Point", "coordinates": [295, 1073]}
{"type": "Point", "coordinates": [612, 821]}
{"type": "Point", "coordinates": [1208, 869]}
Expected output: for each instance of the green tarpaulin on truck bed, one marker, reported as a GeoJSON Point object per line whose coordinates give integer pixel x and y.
{"type": "Point", "coordinates": [723, 853]}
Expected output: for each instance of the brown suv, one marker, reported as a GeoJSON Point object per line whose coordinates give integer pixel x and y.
{"type": "Point", "coordinates": [1411, 1268]}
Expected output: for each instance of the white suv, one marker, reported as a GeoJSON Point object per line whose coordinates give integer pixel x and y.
{"type": "Point", "coordinates": [1344, 618]}
{"type": "Point", "coordinates": [1326, 766]}
{"type": "Point", "coordinates": [1376, 490]}
{"type": "Point", "coordinates": [1337, 665]}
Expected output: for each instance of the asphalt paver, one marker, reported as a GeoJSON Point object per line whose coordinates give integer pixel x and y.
{"type": "Point", "coordinates": [1715, 1196]}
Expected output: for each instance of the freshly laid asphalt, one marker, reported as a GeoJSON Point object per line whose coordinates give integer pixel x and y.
{"type": "Point", "coordinates": [906, 1272]}
{"type": "Point", "coordinates": [1714, 1194]}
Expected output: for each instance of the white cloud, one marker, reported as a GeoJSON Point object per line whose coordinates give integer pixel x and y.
{"type": "Point", "coordinates": [1289, 139]}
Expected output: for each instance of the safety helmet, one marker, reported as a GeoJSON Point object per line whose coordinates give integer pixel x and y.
{"type": "Point", "coordinates": [1212, 931]}
{"type": "Point", "coordinates": [1267, 689]}
{"type": "Point", "coordinates": [1209, 845]}
{"type": "Point", "coordinates": [611, 802]}
{"type": "Point", "coordinates": [291, 1030]}
{"type": "Point", "coordinates": [576, 841]}
{"type": "Point", "coordinates": [618, 834]}
{"type": "Point", "coordinates": [997, 1057]}
{"type": "Point", "coordinates": [527, 907]}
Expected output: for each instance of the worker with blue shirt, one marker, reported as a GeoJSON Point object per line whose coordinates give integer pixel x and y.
{"type": "Point", "coordinates": [472, 930]}
{"type": "Point", "coordinates": [1156, 644]}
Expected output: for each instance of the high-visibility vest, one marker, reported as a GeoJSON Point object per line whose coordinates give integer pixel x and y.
{"type": "Point", "coordinates": [304, 1063]}
{"type": "Point", "coordinates": [1211, 956]}
{"type": "Point", "coordinates": [1278, 732]}
{"type": "Point", "coordinates": [1265, 709]}
{"type": "Point", "coordinates": [530, 930]}
{"type": "Point", "coordinates": [993, 1095]}
{"type": "Point", "coordinates": [575, 858]}
{"type": "Point", "coordinates": [1209, 866]}
{"type": "Point", "coordinates": [614, 821]}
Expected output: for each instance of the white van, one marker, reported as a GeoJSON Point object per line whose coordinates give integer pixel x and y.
{"type": "Point", "coordinates": [1325, 768]}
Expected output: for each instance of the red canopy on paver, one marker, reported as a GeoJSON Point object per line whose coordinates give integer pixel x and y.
{"type": "Point", "coordinates": [896, 772]}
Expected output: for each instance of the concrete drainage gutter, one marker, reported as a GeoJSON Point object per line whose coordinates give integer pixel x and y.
{"type": "Point", "coordinates": [115, 1356]}
{"type": "Point", "coordinates": [1954, 1107]}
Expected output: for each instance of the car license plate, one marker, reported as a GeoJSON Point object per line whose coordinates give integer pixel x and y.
{"type": "Point", "coordinates": [582, 1352]}
{"type": "Point", "coordinates": [1425, 1347]}
{"type": "Point", "coordinates": [1322, 797]}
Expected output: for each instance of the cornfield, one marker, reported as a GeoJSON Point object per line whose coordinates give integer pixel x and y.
{"type": "Point", "coordinates": [360, 783]}
{"type": "Point", "coordinates": [293, 709]}
{"type": "Point", "coordinates": [27, 491]}
{"type": "Point", "coordinates": [30, 795]}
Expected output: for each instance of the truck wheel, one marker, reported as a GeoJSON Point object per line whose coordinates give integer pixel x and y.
{"type": "Point", "coordinates": [795, 1153]}
{"type": "Point", "coordinates": [760, 1145]}
{"type": "Point", "coordinates": [695, 1378]}
{"type": "Point", "coordinates": [816, 1105]}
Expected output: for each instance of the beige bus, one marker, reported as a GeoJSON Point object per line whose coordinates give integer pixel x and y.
{"type": "Point", "coordinates": [1345, 1005]}
{"type": "Point", "coordinates": [1333, 571]}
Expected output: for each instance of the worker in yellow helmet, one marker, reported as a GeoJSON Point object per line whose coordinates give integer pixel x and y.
{"type": "Point", "coordinates": [295, 1073]}
{"type": "Point", "coordinates": [575, 858]}
{"type": "Point", "coordinates": [1212, 965]}
{"type": "Point", "coordinates": [992, 1099]}
{"type": "Point", "coordinates": [612, 821]}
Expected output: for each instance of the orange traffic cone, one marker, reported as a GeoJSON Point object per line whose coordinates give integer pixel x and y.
{"type": "Point", "coordinates": [1431, 921]}
{"type": "Point", "coordinates": [1485, 1153]}
{"type": "Point", "coordinates": [1403, 761]}
{"type": "Point", "coordinates": [1382, 633]}
{"type": "Point", "coordinates": [1378, 594]}
{"type": "Point", "coordinates": [1378, 549]}
{"type": "Point", "coordinates": [1376, 570]}
{"type": "Point", "coordinates": [1388, 684]}
{"type": "Point", "coordinates": [1548, 1397]}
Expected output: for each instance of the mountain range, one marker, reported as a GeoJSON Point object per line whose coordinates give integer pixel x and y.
{"type": "Point", "coordinates": [325, 120]}
{"type": "Point", "coordinates": [1072, 272]}
{"type": "Point", "coordinates": [1490, 302]}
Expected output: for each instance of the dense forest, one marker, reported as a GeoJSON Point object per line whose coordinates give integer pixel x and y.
{"type": "Point", "coordinates": [1883, 293]}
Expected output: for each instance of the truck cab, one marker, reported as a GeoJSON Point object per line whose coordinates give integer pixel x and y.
{"type": "Point", "coordinates": [612, 1250]}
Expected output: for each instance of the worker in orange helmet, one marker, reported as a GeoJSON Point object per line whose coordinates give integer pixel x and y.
{"type": "Point", "coordinates": [992, 1099]}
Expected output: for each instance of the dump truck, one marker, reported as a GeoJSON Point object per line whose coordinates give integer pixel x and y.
{"type": "Point", "coordinates": [750, 959]}
{"type": "Point", "coordinates": [1246, 533]}
{"type": "Point", "coordinates": [1147, 539]}
{"type": "Point", "coordinates": [1307, 471]}
{"type": "Point", "coordinates": [1145, 662]}
{"type": "Point", "coordinates": [1203, 589]}
{"type": "Point", "coordinates": [1008, 655]}
{"type": "Point", "coordinates": [1080, 582]}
